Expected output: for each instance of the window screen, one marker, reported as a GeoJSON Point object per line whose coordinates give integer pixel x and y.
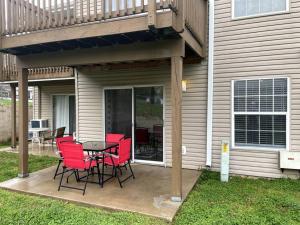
{"type": "Point", "coordinates": [260, 112]}
{"type": "Point", "coordinates": [256, 7]}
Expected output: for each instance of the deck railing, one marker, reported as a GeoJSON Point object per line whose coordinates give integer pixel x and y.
{"type": "Point", "coordinates": [8, 70]}
{"type": "Point", "coordinates": [21, 16]}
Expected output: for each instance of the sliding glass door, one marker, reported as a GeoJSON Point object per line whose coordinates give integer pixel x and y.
{"type": "Point", "coordinates": [142, 107]}
{"type": "Point", "coordinates": [149, 106]}
{"type": "Point", "coordinates": [118, 111]}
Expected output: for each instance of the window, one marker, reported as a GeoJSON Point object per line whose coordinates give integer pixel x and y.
{"type": "Point", "coordinates": [242, 8]}
{"type": "Point", "coordinates": [260, 110]}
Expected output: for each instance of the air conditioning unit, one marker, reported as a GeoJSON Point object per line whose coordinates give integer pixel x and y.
{"type": "Point", "coordinates": [289, 160]}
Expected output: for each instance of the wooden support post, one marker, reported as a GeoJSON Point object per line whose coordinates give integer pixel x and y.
{"type": "Point", "coordinates": [179, 17]}
{"type": "Point", "coordinates": [176, 95]}
{"type": "Point", "coordinates": [23, 122]}
{"type": "Point", "coordinates": [13, 116]}
{"type": "Point", "coordinates": [152, 14]}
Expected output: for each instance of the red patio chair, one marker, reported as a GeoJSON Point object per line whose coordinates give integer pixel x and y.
{"type": "Point", "coordinates": [114, 138]}
{"type": "Point", "coordinates": [58, 152]}
{"type": "Point", "coordinates": [120, 160]}
{"type": "Point", "coordinates": [75, 160]}
{"type": "Point", "coordinates": [142, 137]}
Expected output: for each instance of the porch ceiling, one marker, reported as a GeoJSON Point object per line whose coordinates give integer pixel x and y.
{"type": "Point", "coordinates": [147, 194]}
{"type": "Point", "coordinates": [93, 42]}
{"type": "Point", "coordinates": [156, 50]}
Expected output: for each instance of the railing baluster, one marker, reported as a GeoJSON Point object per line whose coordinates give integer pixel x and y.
{"type": "Point", "coordinates": [95, 11]}
{"type": "Point", "coordinates": [62, 13]}
{"type": "Point", "coordinates": [75, 11]}
{"type": "Point", "coordinates": [133, 6]}
{"type": "Point", "coordinates": [103, 9]}
{"type": "Point", "coordinates": [49, 24]}
{"type": "Point", "coordinates": [55, 13]}
{"type": "Point", "coordinates": [44, 15]}
{"type": "Point", "coordinates": [68, 12]}
{"type": "Point", "coordinates": [72, 14]}
{"type": "Point", "coordinates": [81, 11]}
{"type": "Point", "coordinates": [117, 11]}
{"type": "Point", "coordinates": [88, 12]}
{"type": "Point", "coordinates": [18, 16]}
{"type": "Point", "coordinates": [38, 15]}
{"type": "Point", "coordinates": [30, 15]}
{"type": "Point", "coordinates": [8, 2]}
{"type": "Point", "coordinates": [22, 16]}
{"type": "Point", "coordinates": [27, 16]}
{"type": "Point", "coordinates": [1, 29]}
{"type": "Point", "coordinates": [33, 14]}
{"type": "Point", "coordinates": [126, 7]}
{"type": "Point", "coordinates": [13, 15]}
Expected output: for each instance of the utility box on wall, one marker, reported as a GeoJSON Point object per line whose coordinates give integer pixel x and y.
{"type": "Point", "coordinates": [289, 160]}
{"type": "Point", "coordinates": [225, 161]}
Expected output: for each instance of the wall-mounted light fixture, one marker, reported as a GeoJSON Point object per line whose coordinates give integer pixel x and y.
{"type": "Point", "coordinates": [184, 85]}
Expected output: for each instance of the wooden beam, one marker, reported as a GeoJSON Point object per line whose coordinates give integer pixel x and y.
{"type": "Point", "coordinates": [122, 53]}
{"type": "Point", "coordinates": [23, 122]}
{"type": "Point", "coordinates": [97, 29]}
{"type": "Point", "coordinates": [193, 43]}
{"type": "Point", "coordinates": [13, 116]}
{"type": "Point", "coordinates": [152, 14]}
{"type": "Point", "coordinates": [176, 101]}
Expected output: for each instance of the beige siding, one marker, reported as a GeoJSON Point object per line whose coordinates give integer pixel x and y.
{"type": "Point", "coordinates": [47, 93]}
{"type": "Point", "coordinates": [256, 47]}
{"type": "Point", "coordinates": [90, 101]}
{"type": "Point", "coordinates": [35, 102]}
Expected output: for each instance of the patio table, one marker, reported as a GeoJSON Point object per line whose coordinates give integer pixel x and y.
{"type": "Point", "coordinates": [97, 148]}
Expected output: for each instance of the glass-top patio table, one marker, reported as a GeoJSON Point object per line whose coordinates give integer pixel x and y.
{"type": "Point", "coordinates": [97, 148]}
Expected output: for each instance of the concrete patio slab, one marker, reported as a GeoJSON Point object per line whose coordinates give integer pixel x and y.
{"type": "Point", "coordinates": [148, 194]}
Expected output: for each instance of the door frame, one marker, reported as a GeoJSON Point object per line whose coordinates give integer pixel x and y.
{"type": "Point", "coordinates": [131, 87]}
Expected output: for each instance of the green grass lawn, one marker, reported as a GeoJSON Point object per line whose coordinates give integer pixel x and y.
{"type": "Point", "coordinates": [7, 102]}
{"type": "Point", "coordinates": [4, 145]}
{"type": "Point", "coordinates": [9, 164]}
{"type": "Point", "coordinates": [241, 201]}
{"type": "Point", "coordinates": [23, 209]}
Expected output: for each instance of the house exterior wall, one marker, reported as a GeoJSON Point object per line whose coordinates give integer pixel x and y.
{"type": "Point", "coordinates": [46, 102]}
{"type": "Point", "coordinates": [257, 47]}
{"type": "Point", "coordinates": [90, 102]}
{"type": "Point", "coordinates": [35, 102]}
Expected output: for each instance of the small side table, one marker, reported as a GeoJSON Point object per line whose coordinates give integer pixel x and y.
{"type": "Point", "coordinates": [36, 137]}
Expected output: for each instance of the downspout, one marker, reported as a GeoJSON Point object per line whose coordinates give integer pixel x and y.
{"type": "Point", "coordinates": [210, 82]}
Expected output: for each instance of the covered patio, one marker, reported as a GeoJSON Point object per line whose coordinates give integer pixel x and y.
{"type": "Point", "coordinates": [148, 194]}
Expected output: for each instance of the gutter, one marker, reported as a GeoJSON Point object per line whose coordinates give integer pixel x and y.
{"type": "Point", "coordinates": [210, 82]}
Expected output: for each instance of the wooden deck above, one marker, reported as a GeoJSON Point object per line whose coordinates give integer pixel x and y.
{"type": "Point", "coordinates": [37, 26]}
{"type": "Point", "coordinates": [9, 74]}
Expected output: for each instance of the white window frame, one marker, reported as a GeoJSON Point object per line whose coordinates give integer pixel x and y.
{"type": "Point", "coordinates": [259, 14]}
{"type": "Point", "coordinates": [287, 113]}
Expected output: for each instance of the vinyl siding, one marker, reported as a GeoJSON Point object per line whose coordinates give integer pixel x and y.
{"type": "Point", "coordinates": [90, 100]}
{"type": "Point", "coordinates": [258, 47]}
{"type": "Point", "coordinates": [35, 102]}
{"type": "Point", "coordinates": [47, 92]}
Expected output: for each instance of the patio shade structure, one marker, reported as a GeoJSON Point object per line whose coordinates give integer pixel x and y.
{"type": "Point", "coordinates": [174, 52]}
